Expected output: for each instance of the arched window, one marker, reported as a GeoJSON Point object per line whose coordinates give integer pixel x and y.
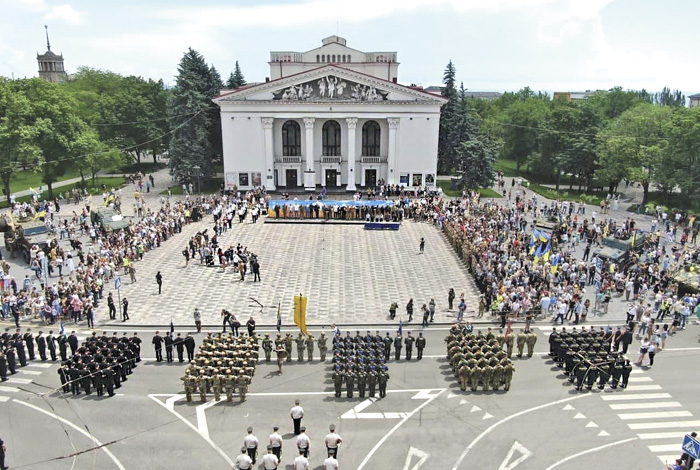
{"type": "Point", "coordinates": [371, 137]}
{"type": "Point", "coordinates": [323, 58]}
{"type": "Point", "coordinates": [318, 58]}
{"type": "Point", "coordinates": [343, 57]}
{"type": "Point", "coordinates": [333, 57]}
{"type": "Point", "coordinates": [331, 139]}
{"type": "Point", "coordinates": [349, 59]}
{"type": "Point", "coordinates": [291, 139]}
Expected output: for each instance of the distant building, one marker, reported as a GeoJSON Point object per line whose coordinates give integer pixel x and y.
{"type": "Point", "coordinates": [334, 117]}
{"type": "Point", "coordinates": [694, 100]}
{"type": "Point", "coordinates": [573, 95]}
{"type": "Point", "coordinates": [51, 65]}
{"type": "Point", "coordinates": [483, 95]}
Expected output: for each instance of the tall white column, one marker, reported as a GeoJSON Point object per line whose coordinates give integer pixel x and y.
{"type": "Point", "coordinates": [269, 180]}
{"type": "Point", "coordinates": [352, 152]}
{"type": "Point", "coordinates": [309, 173]}
{"type": "Point", "coordinates": [392, 177]}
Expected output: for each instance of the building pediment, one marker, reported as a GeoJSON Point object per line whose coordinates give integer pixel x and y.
{"type": "Point", "coordinates": [329, 83]}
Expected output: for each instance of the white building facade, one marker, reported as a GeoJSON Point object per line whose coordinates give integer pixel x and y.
{"type": "Point", "coordinates": [332, 117]}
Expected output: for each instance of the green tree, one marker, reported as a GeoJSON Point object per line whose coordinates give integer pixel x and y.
{"type": "Point", "coordinates": [680, 166]}
{"type": "Point", "coordinates": [235, 79]}
{"type": "Point", "coordinates": [521, 123]}
{"type": "Point", "coordinates": [476, 162]}
{"type": "Point", "coordinates": [448, 118]}
{"type": "Point", "coordinates": [666, 97]}
{"type": "Point", "coordinates": [633, 146]}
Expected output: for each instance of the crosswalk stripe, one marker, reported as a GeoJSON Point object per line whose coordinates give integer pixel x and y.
{"type": "Point", "coordinates": [8, 389]}
{"type": "Point", "coordinates": [662, 435]}
{"type": "Point", "coordinates": [15, 380]}
{"type": "Point", "coordinates": [29, 372]}
{"type": "Point", "coordinates": [665, 448]}
{"type": "Point", "coordinates": [637, 371]}
{"type": "Point", "coordinates": [644, 406]}
{"type": "Point", "coordinates": [659, 414]}
{"type": "Point", "coordinates": [666, 459]}
{"type": "Point", "coordinates": [641, 379]}
{"type": "Point", "coordinates": [633, 388]}
{"type": "Point", "coordinates": [41, 365]}
{"type": "Point", "coordinates": [4, 399]}
{"type": "Point", "coordinates": [665, 425]}
{"type": "Point", "coordinates": [632, 396]}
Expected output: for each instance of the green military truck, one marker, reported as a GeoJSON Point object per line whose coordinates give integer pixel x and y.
{"type": "Point", "coordinates": [109, 219]}
{"type": "Point", "coordinates": [22, 234]}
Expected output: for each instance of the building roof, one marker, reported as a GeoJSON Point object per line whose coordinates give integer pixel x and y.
{"type": "Point", "coordinates": [695, 96]}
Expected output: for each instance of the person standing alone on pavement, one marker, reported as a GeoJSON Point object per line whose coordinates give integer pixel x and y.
{"type": "Point", "coordinates": [297, 413]}
{"type": "Point", "coordinates": [125, 310]}
{"type": "Point", "coordinates": [159, 281]}
{"type": "Point", "coordinates": [422, 245]}
{"type": "Point", "coordinates": [198, 320]}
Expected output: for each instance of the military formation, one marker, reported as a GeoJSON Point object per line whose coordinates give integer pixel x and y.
{"type": "Point", "coordinates": [479, 360]}
{"type": "Point", "coordinates": [587, 358]}
{"type": "Point", "coordinates": [101, 363]}
{"type": "Point", "coordinates": [223, 364]}
{"type": "Point", "coordinates": [16, 348]}
{"type": "Point", "coordinates": [359, 363]}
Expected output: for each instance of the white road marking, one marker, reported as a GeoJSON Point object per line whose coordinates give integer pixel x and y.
{"type": "Point", "coordinates": [665, 425]}
{"type": "Point", "coordinates": [580, 416]}
{"type": "Point", "coordinates": [8, 389]}
{"type": "Point", "coordinates": [641, 379]}
{"type": "Point", "coordinates": [631, 396]}
{"type": "Point", "coordinates": [463, 401]}
{"type": "Point", "coordinates": [413, 452]}
{"type": "Point", "coordinates": [636, 388]}
{"type": "Point", "coordinates": [568, 408]}
{"type": "Point", "coordinates": [663, 435]}
{"type": "Point", "coordinates": [666, 448]}
{"type": "Point", "coordinates": [397, 426]}
{"type": "Point", "coordinates": [524, 454]}
{"type": "Point", "coordinates": [666, 459]}
{"type": "Point", "coordinates": [591, 425]}
{"type": "Point", "coordinates": [80, 430]}
{"type": "Point", "coordinates": [451, 395]}
{"type": "Point", "coordinates": [589, 451]}
{"type": "Point", "coordinates": [660, 414]}
{"type": "Point", "coordinates": [644, 406]}
{"type": "Point", "coordinates": [603, 434]}
{"type": "Point", "coordinates": [637, 371]}
{"type": "Point", "coordinates": [40, 365]}
{"type": "Point", "coordinates": [4, 399]}
{"type": "Point", "coordinates": [29, 372]}
{"type": "Point", "coordinates": [487, 416]}
{"type": "Point", "coordinates": [475, 408]}
{"type": "Point", "coordinates": [478, 438]}
{"type": "Point", "coordinates": [202, 427]}
{"type": "Point", "coordinates": [184, 420]}
{"type": "Point", "coordinates": [16, 380]}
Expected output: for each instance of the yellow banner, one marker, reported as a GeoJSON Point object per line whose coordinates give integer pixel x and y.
{"type": "Point", "coordinates": [300, 303]}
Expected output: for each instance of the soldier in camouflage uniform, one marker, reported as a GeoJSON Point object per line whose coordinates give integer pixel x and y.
{"type": "Point", "coordinates": [322, 346]}
{"type": "Point", "coordinates": [310, 347]}
{"type": "Point", "coordinates": [520, 340]}
{"type": "Point", "coordinates": [531, 339]}
{"type": "Point", "coordinates": [288, 341]}
{"type": "Point", "coordinates": [243, 382]}
{"type": "Point", "coordinates": [267, 347]}
{"type": "Point", "coordinates": [300, 347]}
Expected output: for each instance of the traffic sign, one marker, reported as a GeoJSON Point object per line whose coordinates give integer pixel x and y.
{"type": "Point", "coordinates": [598, 264]}
{"type": "Point", "coordinates": [118, 282]}
{"type": "Point", "coordinates": [691, 446]}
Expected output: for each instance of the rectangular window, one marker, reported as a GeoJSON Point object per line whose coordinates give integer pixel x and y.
{"type": "Point", "coordinates": [430, 179]}
{"type": "Point", "coordinates": [243, 179]}
{"type": "Point", "coordinates": [417, 179]}
{"type": "Point", "coordinates": [257, 179]}
{"type": "Point", "coordinates": [230, 179]}
{"type": "Point", "coordinates": [403, 179]}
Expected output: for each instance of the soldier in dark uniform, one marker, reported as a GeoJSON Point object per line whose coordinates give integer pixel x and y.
{"type": "Point", "coordinates": [180, 346]}
{"type": "Point", "coordinates": [409, 346]}
{"type": "Point", "coordinates": [74, 375]}
{"type": "Point", "coordinates": [397, 347]}
{"type": "Point", "coordinates": [361, 382]}
{"type": "Point", "coordinates": [63, 347]}
{"type": "Point", "coordinates": [338, 381]}
{"type": "Point", "coordinates": [420, 345]}
{"type": "Point", "coordinates": [11, 360]}
{"type": "Point", "coordinates": [73, 343]}
{"type": "Point", "coordinates": [64, 375]}
{"type": "Point", "coordinates": [349, 382]}
{"type": "Point", "coordinates": [189, 345]}
{"type": "Point", "coordinates": [29, 340]}
{"type": "Point", "coordinates": [3, 366]}
{"type": "Point", "coordinates": [109, 379]}
{"type": "Point", "coordinates": [41, 345]}
{"type": "Point", "coordinates": [616, 372]}
{"type": "Point", "coordinates": [580, 372]}
{"type": "Point", "coordinates": [51, 343]}
{"type": "Point", "coordinates": [157, 342]}
{"type": "Point", "coordinates": [626, 371]}
{"type": "Point", "coordinates": [372, 381]}
{"type": "Point", "coordinates": [387, 346]}
{"type": "Point", "coordinates": [382, 379]}
{"type": "Point", "coordinates": [168, 347]}
{"type": "Point", "coordinates": [21, 354]}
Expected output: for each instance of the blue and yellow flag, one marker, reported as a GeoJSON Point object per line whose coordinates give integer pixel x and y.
{"type": "Point", "coordinates": [300, 303]}
{"type": "Point", "coordinates": [547, 252]}
{"type": "Point", "coordinates": [538, 253]}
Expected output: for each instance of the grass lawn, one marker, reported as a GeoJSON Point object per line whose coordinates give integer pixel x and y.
{"type": "Point", "coordinates": [111, 182]}
{"type": "Point", "coordinates": [673, 202]}
{"type": "Point", "coordinates": [31, 179]}
{"type": "Point", "coordinates": [566, 195]}
{"type": "Point", "coordinates": [448, 191]}
{"type": "Point", "coordinates": [146, 167]}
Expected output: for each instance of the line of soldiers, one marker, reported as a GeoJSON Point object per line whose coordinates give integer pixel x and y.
{"type": "Point", "coordinates": [223, 364]}
{"type": "Point", "coordinates": [587, 358]}
{"type": "Point", "coordinates": [100, 362]}
{"type": "Point", "coordinates": [361, 361]}
{"type": "Point", "coordinates": [303, 342]}
{"type": "Point", "coordinates": [478, 359]}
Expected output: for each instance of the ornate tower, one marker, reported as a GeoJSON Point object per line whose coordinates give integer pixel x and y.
{"type": "Point", "coordinates": [51, 65]}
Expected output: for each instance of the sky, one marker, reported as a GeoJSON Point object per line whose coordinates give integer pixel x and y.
{"type": "Point", "coordinates": [496, 45]}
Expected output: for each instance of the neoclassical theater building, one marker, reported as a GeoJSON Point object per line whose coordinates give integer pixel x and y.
{"type": "Point", "coordinates": [334, 117]}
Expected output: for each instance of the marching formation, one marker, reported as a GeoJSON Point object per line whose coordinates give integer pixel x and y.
{"type": "Point", "coordinates": [587, 358]}
{"type": "Point", "coordinates": [360, 361]}
{"type": "Point", "coordinates": [222, 364]}
{"type": "Point", "coordinates": [479, 359]}
{"type": "Point", "coordinates": [100, 362]}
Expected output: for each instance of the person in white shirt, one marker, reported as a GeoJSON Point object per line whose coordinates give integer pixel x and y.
{"type": "Point", "coordinates": [297, 413]}
{"type": "Point", "coordinates": [276, 442]}
{"type": "Point", "coordinates": [270, 460]}
{"type": "Point", "coordinates": [303, 442]}
{"type": "Point", "coordinates": [301, 462]}
{"type": "Point", "coordinates": [333, 441]}
{"type": "Point", "coordinates": [330, 463]}
{"type": "Point", "coordinates": [243, 461]}
{"type": "Point", "coordinates": [251, 443]}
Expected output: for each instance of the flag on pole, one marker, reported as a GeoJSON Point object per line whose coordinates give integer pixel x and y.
{"type": "Point", "coordinates": [300, 303]}
{"type": "Point", "coordinates": [547, 252]}
{"type": "Point", "coordinates": [172, 327]}
{"type": "Point", "coordinates": [538, 253]}
{"type": "Point", "coordinates": [544, 237]}
{"type": "Point", "coordinates": [279, 317]}
{"type": "Point", "coordinates": [400, 330]}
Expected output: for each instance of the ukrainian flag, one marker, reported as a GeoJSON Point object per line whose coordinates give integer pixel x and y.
{"type": "Point", "coordinates": [544, 237]}
{"type": "Point", "coordinates": [547, 252]}
{"type": "Point", "coordinates": [537, 254]}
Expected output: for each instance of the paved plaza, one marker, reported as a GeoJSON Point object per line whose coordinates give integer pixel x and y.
{"type": "Point", "coordinates": [349, 274]}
